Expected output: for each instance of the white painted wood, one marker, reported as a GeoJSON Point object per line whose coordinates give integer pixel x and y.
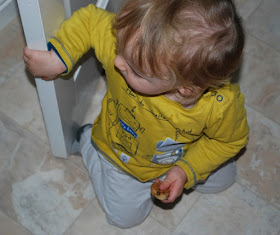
{"type": "Point", "coordinates": [67, 8]}
{"type": "Point", "coordinates": [77, 72]}
{"type": "Point", "coordinates": [64, 102]}
{"type": "Point", "coordinates": [102, 3]}
{"type": "Point", "coordinates": [35, 38]}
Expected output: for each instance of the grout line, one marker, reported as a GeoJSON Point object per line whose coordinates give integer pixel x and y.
{"type": "Point", "coordinates": [78, 217]}
{"type": "Point", "coordinates": [15, 221]}
{"type": "Point", "coordinates": [247, 31]}
{"type": "Point", "coordinates": [13, 153]}
{"type": "Point", "coordinates": [258, 195]}
{"type": "Point", "coordinates": [262, 113]}
{"type": "Point", "coordinates": [261, 41]}
{"type": "Point", "coordinates": [15, 67]}
{"type": "Point", "coordinates": [5, 74]}
{"type": "Point", "coordinates": [188, 211]}
{"type": "Point", "coordinates": [195, 202]}
{"type": "Point", "coordinates": [254, 11]}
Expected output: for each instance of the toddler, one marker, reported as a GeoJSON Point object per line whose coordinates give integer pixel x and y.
{"type": "Point", "coordinates": [170, 113]}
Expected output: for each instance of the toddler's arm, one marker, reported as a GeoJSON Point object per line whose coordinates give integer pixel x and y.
{"type": "Point", "coordinates": [224, 135]}
{"type": "Point", "coordinates": [44, 64]}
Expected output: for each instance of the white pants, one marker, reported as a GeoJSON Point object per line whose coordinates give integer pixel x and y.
{"type": "Point", "coordinates": [127, 201]}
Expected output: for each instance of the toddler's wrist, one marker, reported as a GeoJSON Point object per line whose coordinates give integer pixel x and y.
{"type": "Point", "coordinates": [59, 66]}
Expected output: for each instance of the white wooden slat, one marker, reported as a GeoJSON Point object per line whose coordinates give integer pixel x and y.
{"type": "Point", "coordinates": [35, 38]}
{"type": "Point", "coordinates": [102, 3]}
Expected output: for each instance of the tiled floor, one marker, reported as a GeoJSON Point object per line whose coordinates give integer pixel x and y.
{"type": "Point", "coordinates": [40, 194]}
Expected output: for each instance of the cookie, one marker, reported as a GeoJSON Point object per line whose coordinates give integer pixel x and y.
{"type": "Point", "coordinates": [159, 194]}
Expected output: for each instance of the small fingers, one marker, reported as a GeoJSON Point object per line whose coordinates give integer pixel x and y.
{"type": "Point", "coordinates": [165, 184]}
{"type": "Point", "coordinates": [27, 52]}
{"type": "Point", "coordinates": [25, 55]}
{"type": "Point", "coordinates": [158, 180]}
{"type": "Point", "coordinates": [175, 192]}
{"type": "Point", "coordinates": [26, 60]}
{"type": "Point", "coordinates": [171, 198]}
{"type": "Point", "coordinates": [47, 79]}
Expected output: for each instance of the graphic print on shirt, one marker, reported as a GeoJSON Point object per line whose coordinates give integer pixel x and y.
{"type": "Point", "coordinates": [140, 103]}
{"type": "Point", "coordinates": [124, 130]}
{"type": "Point", "coordinates": [127, 128]}
{"type": "Point", "coordinates": [171, 151]}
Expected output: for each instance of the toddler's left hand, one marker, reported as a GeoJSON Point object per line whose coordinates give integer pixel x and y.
{"type": "Point", "coordinates": [175, 181]}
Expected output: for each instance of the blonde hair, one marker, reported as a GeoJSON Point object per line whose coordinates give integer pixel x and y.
{"type": "Point", "coordinates": [199, 42]}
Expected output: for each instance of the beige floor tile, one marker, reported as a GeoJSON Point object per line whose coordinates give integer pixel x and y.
{"type": "Point", "coordinates": [259, 78]}
{"type": "Point", "coordinates": [259, 166]}
{"type": "Point", "coordinates": [234, 211]}
{"type": "Point", "coordinates": [247, 7]}
{"type": "Point", "coordinates": [264, 23]}
{"type": "Point", "coordinates": [49, 195]}
{"type": "Point", "coordinates": [96, 101]}
{"type": "Point", "coordinates": [9, 142]}
{"type": "Point", "coordinates": [12, 44]}
{"type": "Point", "coordinates": [19, 101]}
{"type": "Point", "coordinates": [21, 156]}
{"type": "Point", "coordinates": [10, 227]}
{"type": "Point", "coordinates": [43, 193]}
{"type": "Point", "coordinates": [56, 196]}
{"type": "Point", "coordinates": [78, 161]}
{"type": "Point", "coordinates": [170, 215]}
{"type": "Point", "coordinates": [93, 221]}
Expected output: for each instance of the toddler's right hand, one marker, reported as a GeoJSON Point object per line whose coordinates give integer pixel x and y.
{"type": "Point", "coordinates": [44, 64]}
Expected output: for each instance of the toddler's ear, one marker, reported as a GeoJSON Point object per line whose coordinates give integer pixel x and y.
{"type": "Point", "coordinates": [186, 91]}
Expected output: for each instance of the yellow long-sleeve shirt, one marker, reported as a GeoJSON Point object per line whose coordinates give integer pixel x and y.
{"type": "Point", "coordinates": [146, 136]}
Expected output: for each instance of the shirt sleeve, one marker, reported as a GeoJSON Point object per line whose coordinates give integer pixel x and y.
{"type": "Point", "coordinates": [89, 27]}
{"type": "Point", "coordinates": [225, 134]}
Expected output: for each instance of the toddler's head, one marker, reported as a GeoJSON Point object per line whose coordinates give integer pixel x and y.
{"type": "Point", "coordinates": [198, 43]}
